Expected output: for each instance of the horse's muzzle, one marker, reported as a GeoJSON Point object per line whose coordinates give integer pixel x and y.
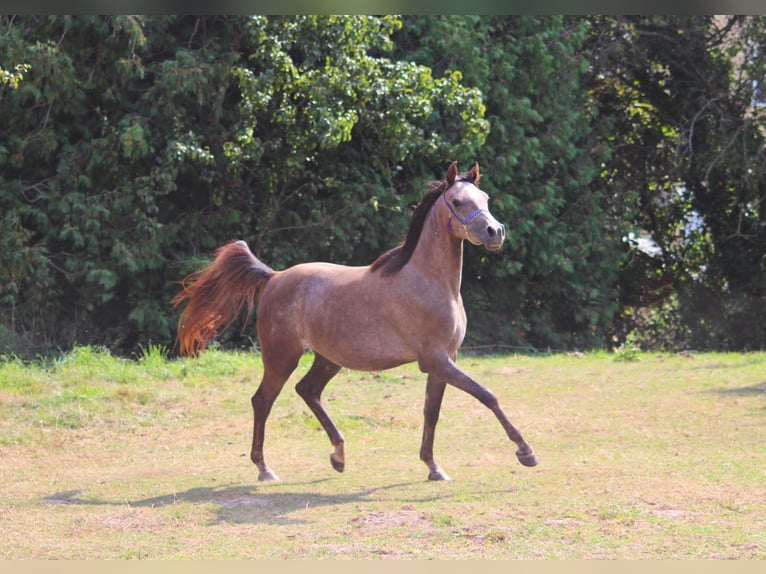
{"type": "Point", "coordinates": [495, 236]}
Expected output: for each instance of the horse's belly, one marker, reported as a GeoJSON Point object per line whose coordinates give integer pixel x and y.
{"type": "Point", "coordinates": [362, 350]}
{"type": "Point", "coordinates": [369, 362]}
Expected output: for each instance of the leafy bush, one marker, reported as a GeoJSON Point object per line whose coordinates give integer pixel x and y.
{"type": "Point", "coordinates": [134, 146]}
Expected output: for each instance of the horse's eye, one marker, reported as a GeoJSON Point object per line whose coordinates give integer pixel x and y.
{"type": "Point", "coordinates": [456, 202]}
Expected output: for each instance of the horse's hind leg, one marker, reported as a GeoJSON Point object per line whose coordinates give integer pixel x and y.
{"type": "Point", "coordinates": [275, 374]}
{"type": "Point", "coordinates": [310, 388]}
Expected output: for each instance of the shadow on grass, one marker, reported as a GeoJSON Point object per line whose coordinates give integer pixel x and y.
{"type": "Point", "coordinates": [248, 504]}
{"type": "Point", "coordinates": [748, 391]}
{"type": "Point", "coordinates": [746, 362]}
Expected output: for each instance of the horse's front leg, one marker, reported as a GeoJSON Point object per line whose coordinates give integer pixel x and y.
{"type": "Point", "coordinates": [434, 394]}
{"type": "Point", "coordinates": [445, 369]}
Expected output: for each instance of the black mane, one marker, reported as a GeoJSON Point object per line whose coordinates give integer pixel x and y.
{"type": "Point", "coordinates": [394, 259]}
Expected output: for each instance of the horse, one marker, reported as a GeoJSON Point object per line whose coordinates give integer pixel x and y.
{"type": "Point", "coordinates": [404, 307]}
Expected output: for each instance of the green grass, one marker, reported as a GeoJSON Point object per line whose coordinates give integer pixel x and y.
{"type": "Point", "coordinates": [661, 457]}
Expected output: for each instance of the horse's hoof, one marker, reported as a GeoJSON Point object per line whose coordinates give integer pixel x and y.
{"type": "Point", "coordinates": [338, 465]}
{"type": "Point", "coordinates": [438, 474]}
{"type": "Point", "coordinates": [267, 476]}
{"type": "Point", "coordinates": [527, 458]}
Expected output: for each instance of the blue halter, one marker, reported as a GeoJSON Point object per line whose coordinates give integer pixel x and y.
{"type": "Point", "coordinates": [465, 221]}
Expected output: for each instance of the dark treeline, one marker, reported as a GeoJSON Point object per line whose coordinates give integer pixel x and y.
{"type": "Point", "coordinates": [625, 155]}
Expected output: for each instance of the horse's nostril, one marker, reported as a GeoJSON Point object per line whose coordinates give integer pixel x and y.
{"type": "Point", "coordinates": [490, 231]}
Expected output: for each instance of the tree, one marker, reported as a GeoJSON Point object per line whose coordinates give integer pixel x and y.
{"type": "Point", "coordinates": [555, 284]}
{"type": "Point", "coordinates": [338, 140]}
{"type": "Point", "coordinates": [688, 139]}
{"type": "Point", "coordinates": [109, 122]}
{"type": "Point", "coordinates": [136, 145]}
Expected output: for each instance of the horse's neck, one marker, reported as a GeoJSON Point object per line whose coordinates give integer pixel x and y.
{"type": "Point", "coordinates": [439, 255]}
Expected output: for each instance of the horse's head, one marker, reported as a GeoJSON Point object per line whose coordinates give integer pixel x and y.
{"type": "Point", "coordinates": [468, 206]}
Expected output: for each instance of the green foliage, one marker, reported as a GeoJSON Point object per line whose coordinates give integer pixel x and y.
{"type": "Point", "coordinates": [137, 144]}
{"type": "Point", "coordinates": [679, 92]}
{"type": "Point", "coordinates": [133, 146]}
{"type": "Point", "coordinates": [12, 78]}
{"type": "Point", "coordinates": [338, 132]}
{"type": "Point", "coordinates": [629, 350]}
{"type": "Point", "coordinates": [555, 284]}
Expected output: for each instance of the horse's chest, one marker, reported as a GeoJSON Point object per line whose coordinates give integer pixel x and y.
{"type": "Point", "coordinates": [442, 322]}
{"type": "Point", "coordinates": [459, 323]}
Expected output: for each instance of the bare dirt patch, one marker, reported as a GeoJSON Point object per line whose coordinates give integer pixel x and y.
{"type": "Point", "coordinates": [234, 500]}
{"type": "Point", "coordinates": [406, 516]}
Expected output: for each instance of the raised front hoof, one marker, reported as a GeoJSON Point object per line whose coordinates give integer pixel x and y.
{"type": "Point", "coordinates": [267, 476]}
{"type": "Point", "coordinates": [438, 474]}
{"type": "Point", "coordinates": [338, 465]}
{"type": "Point", "coordinates": [527, 458]}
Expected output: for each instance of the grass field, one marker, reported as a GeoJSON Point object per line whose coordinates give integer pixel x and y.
{"type": "Point", "coordinates": [663, 457]}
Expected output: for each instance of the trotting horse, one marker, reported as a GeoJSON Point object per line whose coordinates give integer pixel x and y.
{"type": "Point", "coordinates": [404, 307]}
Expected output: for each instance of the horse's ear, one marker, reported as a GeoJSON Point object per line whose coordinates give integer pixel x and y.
{"type": "Point", "coordinates": [452, 173]}
{"type": "Point", "coordinates": [475, 175]}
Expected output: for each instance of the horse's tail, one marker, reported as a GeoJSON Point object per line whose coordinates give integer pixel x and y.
{"type": "Point", "coordinates": [216, 295]}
